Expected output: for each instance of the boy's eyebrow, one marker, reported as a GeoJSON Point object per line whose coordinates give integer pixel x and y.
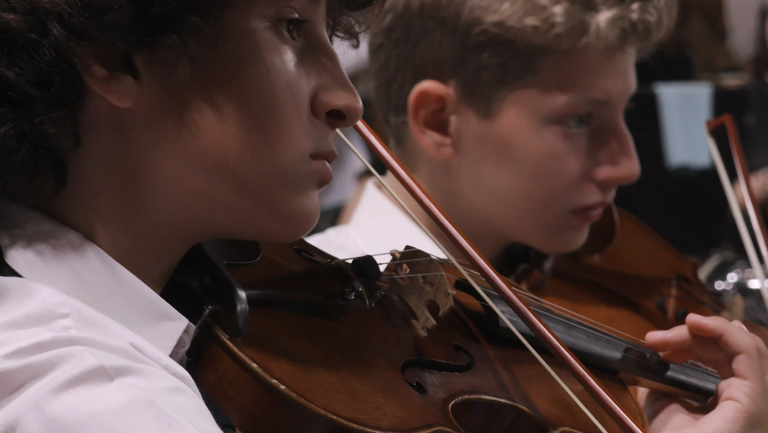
{"type": "Point", "coordinates": [595, 100]}
{"type": "Point", "coordinates": [581, 100]}
{"type": "Point", "coordinates": [578, 98]}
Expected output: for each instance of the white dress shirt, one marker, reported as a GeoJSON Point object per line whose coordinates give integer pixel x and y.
{"type": "Point", "coordinates": [377, 225]}
{"type": "Point", "coordinates": [85, 346]}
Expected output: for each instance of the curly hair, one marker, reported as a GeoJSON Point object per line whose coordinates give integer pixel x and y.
{"type": "Point", "coordinates": [488, 47]}
{"type": "Point", "coordinates": [41, 89]}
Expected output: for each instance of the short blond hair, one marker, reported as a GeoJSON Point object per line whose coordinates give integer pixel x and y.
{"type": "Point", "coordinates": [488, 47]}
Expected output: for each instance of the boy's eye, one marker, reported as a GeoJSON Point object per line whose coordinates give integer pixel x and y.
{"type": "Point", "coordinates": [292, 26]}
{"type": "Point", "coordinates": [579, 121]}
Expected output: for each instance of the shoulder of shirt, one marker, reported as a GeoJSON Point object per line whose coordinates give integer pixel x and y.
{"type": "Point", "coordinates": [24, 302]}
{"type": "Point", "coordinates": [68, 367]}
{"type": "Point", "coordinates": [35, 310]}
{"type": "Point", "coordinates": [41, 319]}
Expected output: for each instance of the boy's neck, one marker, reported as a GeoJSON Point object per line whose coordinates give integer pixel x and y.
{"type": "Point", "coordinates": [492, 250]}
{"type": "Point", "coordinates": [130, 238]}
{"type": "Point", "coordinates": [107, 199]}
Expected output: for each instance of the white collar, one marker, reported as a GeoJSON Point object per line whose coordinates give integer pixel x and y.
{"type": "Point", "coordinates": [46, 251]}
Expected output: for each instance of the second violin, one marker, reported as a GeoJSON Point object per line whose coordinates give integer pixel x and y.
{"type": "Point", "coordinates": [639, 283]}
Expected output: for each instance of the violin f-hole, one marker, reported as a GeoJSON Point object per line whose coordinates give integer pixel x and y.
{"type": "Point", "coordinates": [436, 365]}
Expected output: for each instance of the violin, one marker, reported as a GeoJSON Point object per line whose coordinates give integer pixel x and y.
{"type": "Point", "coordinates": [332, 346]}
{"type": "Point", "coordinates": [302, 341]}
{"type": "Point", "coordinates": [637, 284]}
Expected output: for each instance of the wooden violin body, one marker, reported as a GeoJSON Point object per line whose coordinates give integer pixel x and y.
{"type": "Point", "coordinates": [320, 356]}
{"type": "Point", "coordinates": [638, 284]}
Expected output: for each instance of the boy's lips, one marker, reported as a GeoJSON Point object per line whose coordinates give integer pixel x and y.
{"type": "Point", "coordinates": [328, 155]}
{"type": "Point", "coordinates": [592, 212]}
{"type": "Point", "coordinates": [322, 161]}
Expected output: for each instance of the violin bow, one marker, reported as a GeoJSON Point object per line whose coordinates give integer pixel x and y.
{"type": "Point", "coordinates": [755, 216]}
{"type": "Point", "coordinates": [555, 346]}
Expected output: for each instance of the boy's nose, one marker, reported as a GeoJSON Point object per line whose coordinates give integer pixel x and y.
{"type": "Point", "coordinates": [618, 164]}
{"type": "Point", "coordinates": [336, 101]}
{"type": "Point", "coordinates": [339, 108]}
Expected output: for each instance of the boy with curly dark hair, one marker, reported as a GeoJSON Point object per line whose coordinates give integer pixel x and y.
{"type": "Point", "coordinates": [129, 131]}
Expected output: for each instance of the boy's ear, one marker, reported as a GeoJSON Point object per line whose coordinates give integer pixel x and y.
{"type": "Point", "coordinates": [430, 107]}
{"type": "Point", "coordinates": [117, 87]}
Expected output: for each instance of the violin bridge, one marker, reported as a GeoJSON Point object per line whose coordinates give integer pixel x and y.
{"type": "Point", "coordinates": [421, 282]}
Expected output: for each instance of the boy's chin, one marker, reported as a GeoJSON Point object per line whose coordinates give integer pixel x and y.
{"type": "Point", "coordinates": [565, 244]}
{"type": "Point", "coordinates": [294, 229]}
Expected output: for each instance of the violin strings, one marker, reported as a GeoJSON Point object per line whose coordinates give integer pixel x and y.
{"type": "Point", "coordinates": [533, 299]}
{"type": "Point", "coordinates": [450, 257]}
{"type": "Point", "coordinates": [579, 321]}
{"type": "Point", "coordinates": [564, 312]}
{"type": "Point", "coordinates": [586, 328]}
{"type": "Point", "coordinates": [529, 297]}
{"type": "Point", "coordinates": [693, 365]}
